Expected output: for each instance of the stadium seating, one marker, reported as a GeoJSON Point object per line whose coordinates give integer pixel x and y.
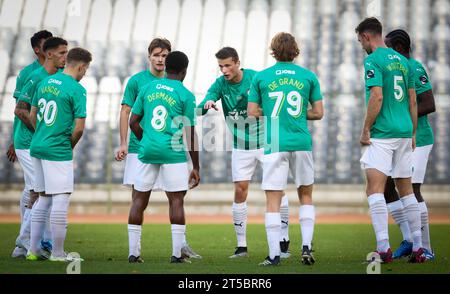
{"type": "Point", "coordinates": [118, 32]}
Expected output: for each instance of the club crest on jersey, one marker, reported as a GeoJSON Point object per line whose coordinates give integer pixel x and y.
{"type": "Point", "coordinates": [423, 80]}
{"type": "Point", "coordinates": [370, 73]}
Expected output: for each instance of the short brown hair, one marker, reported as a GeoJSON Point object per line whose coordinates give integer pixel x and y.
{"type": "Point", "coordinates": [370, 25]}
{"type": "Point", "coordinates": [284, 47]}
{"type": "Point", "coordinates": [79, 55]}
{"type": "Point", "coordinates": [159, 43]}
{"type": "Point", "coordinates": [227, 52]}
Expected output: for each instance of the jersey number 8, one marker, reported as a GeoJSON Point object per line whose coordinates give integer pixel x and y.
{"type": "Point", "coordinates": [159, 118]}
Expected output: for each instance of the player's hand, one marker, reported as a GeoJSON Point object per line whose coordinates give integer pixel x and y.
{"type": "Point", "coordinates": [413, 142]}
{"type": "Point", "coordinates": [194, 178]}
{"type": "Point", "coordinates": [11, 153]}
{"type": "Point", "coordinates": [364, 140]}
{"type": "Point", "coordinates": [121, 153]}
{"type": "Point", "coordinates": [210, 104]}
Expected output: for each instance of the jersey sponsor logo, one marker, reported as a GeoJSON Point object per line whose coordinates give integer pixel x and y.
{"type": "Point", "coordinates": [161, 86]}
{"type": "Point", "coordinates": [53, 81]}
{"type": "Point", "coordinates": [393, 56]}
{"type": "Point", "coordinates": [423, 79]}
{"type": "Point", "coordinates": [284, 72]}
{"type": "Point", "coordinates": [370, 74]}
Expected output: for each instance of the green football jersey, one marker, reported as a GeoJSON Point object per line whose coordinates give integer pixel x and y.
{"type": "Point", "coordinates": [284, 91]}
{"type": "Point", "coordinates": [390, 70]}
{"type": "Point", "coordinates": [21, 78]}
{"type": "Point", "coordinates": [22, 135]}
{"type": "Point", "coordinates": [135, 84]}
{"type": "Point", "coordinates": [166, 106]}
{"type": "Point", "coordinates": [424, 133]}
{"type": "Point", "coordinates": [60, 100]}
{"type": "Point", "coordinates": [234, 99]}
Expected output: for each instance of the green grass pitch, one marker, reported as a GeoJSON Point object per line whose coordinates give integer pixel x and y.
{"type": "Point", "coordinates": [338, 249]}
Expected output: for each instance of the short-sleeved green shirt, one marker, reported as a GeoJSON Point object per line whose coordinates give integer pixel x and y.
{"type": "Point", "coordinates": [390, 70]}
{"type": "Point", "coordinates": [166, 106]}
{"type": "Point", "coordinates": [234, 99]}
{"type": "Point", "coordinates": [424, 133]}
{"type": "Point", "coordinates": [60, 100]}
{"type": "Point", "coordinates": [135, 84]}
{"type": "Point", "coordinates": [284, 91]}
{"type": "Point", "coordinates": [23, 75]}
{"type": "Point", "coordinates": [22, 135]}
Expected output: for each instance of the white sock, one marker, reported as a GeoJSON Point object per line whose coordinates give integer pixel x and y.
{"type": "Point", "coordinates": [284, 212]}
{"type": "Point", "coordinates": [38, 217]}
{"type": "Point", "coordinates": [25, 228]}
{"type": "Point", "coordinates": [48, 230]}
{"type": "Point", "coordinates": [425, 226]}
{"type": "Point", "coordinates": [240, 223]}
{"type": "Point", "coordinates": [24, 200]}
{"type": "Point", "coordinates": [134, 240]}
{"type": "Point", "coordinates": [398, 214]}
{"type": "Point", "coordinates": [411, 208]}
{"type": "Point", "coordinates": [379, 215]}
{"type": "Point", "coordinates": [58, 222]}
{"type": "Point", "coordinates": [273, 230]}
{"type": "Point", "coordinates": [178, 232]}
{"type": "Point", "coordinates": [185, 243]}
{"type": "Point", "coordinates": [307, 217]}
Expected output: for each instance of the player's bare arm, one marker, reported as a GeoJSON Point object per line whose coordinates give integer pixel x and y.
{"type": "Point", "coordinates": [253, 109]}
{"type": "Point", "coordinates": [33, 115]}
{"type": "Point", "coordinates": [210, 104]}
{"type": "Point", "coordinates": [77, 131]}
{"type": "Point", "coordinates": [22, 111]}
{"type": "Point", "coordinates": [373, 109]}
{"type": "Point", "coordinates": [192, 142]}
{"type": "Point", "coordinates": [413, 112]}
{"type": "Point", "coordinates": [124, 117]}
{"type": "Point", "coordinates": [425, 103]}
{"type": "Point", "coordinates": [135, 126]}
{"type": "Point", "coordinates": [316, 111]}
{"type": "Point", "coordinates": [11, 153]}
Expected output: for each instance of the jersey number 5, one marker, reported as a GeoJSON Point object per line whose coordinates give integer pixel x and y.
{"type": "Point", "coordinates": [47, 111]}
{"type": "Point", "coordinates": [398, 90]}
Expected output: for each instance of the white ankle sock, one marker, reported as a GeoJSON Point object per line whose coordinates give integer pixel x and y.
{"type": "Point", "coordinates": [307, 216]}
{"type": "Point", "coordinates": [379, 215]}
{"type": "Point", "coordinates": [412, 212]}
{"type": "Point", "coordinates": [240, 223]}
{"type": "Point", "coordinates": [425, 226]}
{"type": "Point", "coordinates": [37, 227]}
{"type": "Point", "coordinates": [134, 240]}
{"type": "Point", "coordinates": [398, 214]}
{"type": "Point", "coordinates": [284, 213]}
{"type": "Point", "coordinates": [273, 230]}
{"type": "Point", "coordinates": [58, 222]}
{"type": "Point", "coordinates": [177, 239]}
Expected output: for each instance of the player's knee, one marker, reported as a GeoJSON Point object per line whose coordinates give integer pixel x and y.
{"type": "Point", "coordinates": [240, 192]}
